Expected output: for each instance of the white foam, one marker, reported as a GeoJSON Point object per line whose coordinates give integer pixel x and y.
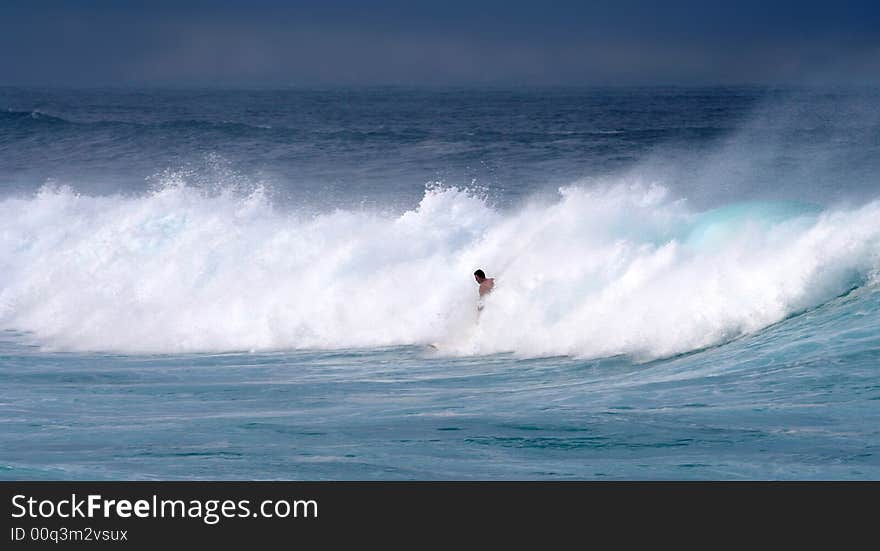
{"type": "Point", "coordinates": [594, 272]}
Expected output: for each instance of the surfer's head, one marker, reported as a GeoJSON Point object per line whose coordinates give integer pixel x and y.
{"type": "Point", "coordinates": [480, 276]}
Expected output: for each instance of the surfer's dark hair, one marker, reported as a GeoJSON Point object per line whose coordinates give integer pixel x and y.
{"type": "Point", "coordinates": [480, 273]}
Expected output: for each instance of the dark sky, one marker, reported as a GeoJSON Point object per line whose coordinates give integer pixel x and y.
{"type": "Point", "coordinates": [442, 42]}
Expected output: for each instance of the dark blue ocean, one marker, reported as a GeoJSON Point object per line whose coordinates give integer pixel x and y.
{"type": "Point", "coordinates": [277, 284]}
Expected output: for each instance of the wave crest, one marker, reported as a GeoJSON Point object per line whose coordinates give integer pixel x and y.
{"type": "Point", "coordinates": [617, 269]}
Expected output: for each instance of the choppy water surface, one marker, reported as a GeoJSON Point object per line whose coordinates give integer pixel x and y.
{"type": "Point", "coordinates": [245, 284]}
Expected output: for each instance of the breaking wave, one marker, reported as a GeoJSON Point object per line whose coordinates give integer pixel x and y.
{"type": "Point", "coordinates": [623, 268]}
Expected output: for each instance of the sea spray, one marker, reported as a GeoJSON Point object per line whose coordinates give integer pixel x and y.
{"type": "Point", "coordinates": [623, 268]}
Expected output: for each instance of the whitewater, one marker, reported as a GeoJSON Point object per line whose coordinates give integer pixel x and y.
{"type": "Point", "coordinates": [593, 272]}
{"type": "Point", "coordinates": [279, 284]}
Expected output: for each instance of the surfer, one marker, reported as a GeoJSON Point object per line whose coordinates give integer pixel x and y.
{"type": "Point", "coordinates": [486, 285]}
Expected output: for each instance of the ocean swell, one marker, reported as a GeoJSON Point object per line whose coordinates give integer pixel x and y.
{"type": "Point", "coordinates": [622, 268]}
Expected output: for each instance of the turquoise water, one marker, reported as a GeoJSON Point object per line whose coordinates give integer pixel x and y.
{"type": "Point", "coordinates": [786, 403]}
{"type": "Point", "coordinates": [245, 284]}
